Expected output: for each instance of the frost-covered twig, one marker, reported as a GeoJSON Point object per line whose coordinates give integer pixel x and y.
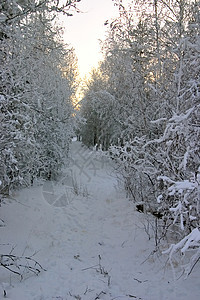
{"type": "Point", "coordinates": [190, 242]}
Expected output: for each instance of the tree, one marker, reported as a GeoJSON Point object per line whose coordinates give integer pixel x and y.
{"type": "Point", "coordinates": [97, 108]}
{"type": "Point", "coordinates": [36, 110]}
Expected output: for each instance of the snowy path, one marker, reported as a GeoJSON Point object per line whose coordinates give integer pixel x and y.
{"type": "Point", "coordinates": [92, 244]}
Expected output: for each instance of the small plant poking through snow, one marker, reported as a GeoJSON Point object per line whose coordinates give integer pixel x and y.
{"type": "Point", "coordinates": [20, 265]}
{"type": "Point", "coordinates": [78, 188]}
{"type": "Point", "coordinates": [100, 269]}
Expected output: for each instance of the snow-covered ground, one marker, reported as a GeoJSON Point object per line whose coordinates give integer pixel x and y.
{"type": "Point", "coordinates": [88, 237]}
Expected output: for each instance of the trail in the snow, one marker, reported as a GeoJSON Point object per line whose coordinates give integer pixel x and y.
{"type": "Point", "coordinates": [89, 239]}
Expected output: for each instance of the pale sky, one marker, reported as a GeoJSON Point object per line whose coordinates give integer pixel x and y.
{"type": "Point", "coordinates": [83, 30]}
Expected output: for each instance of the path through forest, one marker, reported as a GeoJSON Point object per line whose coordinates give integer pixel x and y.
{"type": "Point", "coordinates": [88, 238]}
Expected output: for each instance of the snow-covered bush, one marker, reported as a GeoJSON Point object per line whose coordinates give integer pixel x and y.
{"type": "Point", "coordinates": [179, 167]}
{"type": "Point", "coordinates": [135, 170]}
{"type": "Point", "coordinates": [152, 70]}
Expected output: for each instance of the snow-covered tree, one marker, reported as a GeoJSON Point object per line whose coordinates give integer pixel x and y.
{"type": "Point", "coordinates": [96, 109]}
{"type": "Point", "coordinates": [36, 110]}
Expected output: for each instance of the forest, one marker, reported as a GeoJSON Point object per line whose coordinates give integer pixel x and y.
{"type": "Point", "coordinates": [140, 107]}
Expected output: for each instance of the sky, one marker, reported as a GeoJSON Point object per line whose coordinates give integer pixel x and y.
{"type": "Point", "coordinates": [83, 31]}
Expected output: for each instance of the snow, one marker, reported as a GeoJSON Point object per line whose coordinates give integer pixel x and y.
{"type": "Point", "coordinates": [180, 118]}
{"type": "Point", "coordinates": [158, 121]}
{"type": "Point", "coordinates": [88, 237]}
{"type": "Point", "coordinates": [165, 179]}
{"type": "Point", "coordinates": [180, 186]}
{"type": "Point", "coordinates": [159, 198]}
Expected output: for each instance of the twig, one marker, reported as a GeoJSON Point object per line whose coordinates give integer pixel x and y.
{"type": "Point", "coordinates": [14, 265]}
{"type": "Point", "coordinates": [92, 267]}
{"type": "Point", "coordinates": [128, 295]}
{"type": "Point", "coordinates": [3, 223]}
{"type": "Point", "coordinates": [140, 281]}
{"type": "Point", "coordinates": [137, 280]}
{"type": "Point", "coordinates": [75, 296]}
{"type": "Point", "coordinates": [122, 245]}
{"type": "Point", "coordinates": [100, 269]}
{"type": "Point", "coordinates": [152, 253]}
{"type": "Point", "coordinates": [101, 293]}
{"type": "Point", "coordinates": [87, 290]}
{"type": "Point", "coordinates": [193, 266]}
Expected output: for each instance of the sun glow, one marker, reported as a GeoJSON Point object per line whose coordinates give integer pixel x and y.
{"type": "Point", "coordinates": [84, 30]}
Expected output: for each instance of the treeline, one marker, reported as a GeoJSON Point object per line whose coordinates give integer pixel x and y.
{"type": "Point", "coordinates": [143, 105]}
{"type": "Point", "coordinates": [37, 82]}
